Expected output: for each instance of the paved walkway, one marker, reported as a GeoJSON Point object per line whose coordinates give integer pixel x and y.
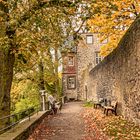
{"type": "Point", "coordinates": [73, 123]}
{"type": "Point", "coordinates": [67, 125]}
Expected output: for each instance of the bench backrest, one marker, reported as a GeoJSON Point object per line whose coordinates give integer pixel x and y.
{"type": "Point", "coordinates": [114, 104]}
{"type": "Point", "coordinates": [101, 100]}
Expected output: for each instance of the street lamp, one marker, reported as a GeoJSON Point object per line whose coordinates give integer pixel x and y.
{"type": "Point", "coordinates": [43, 95]}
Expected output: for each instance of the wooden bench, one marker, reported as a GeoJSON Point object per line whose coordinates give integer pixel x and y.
{"type": "Point", "coordinates": [98, 103]}
{"type": "Point", "coordinates": [55, 107]}
{"type": "Point", "coordinates": [112, 107]}
{"type": "Point", "coordinates": [58, 106]}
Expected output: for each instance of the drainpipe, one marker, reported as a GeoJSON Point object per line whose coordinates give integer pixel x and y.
{"type": "Point", "coordinates": [86, 90]}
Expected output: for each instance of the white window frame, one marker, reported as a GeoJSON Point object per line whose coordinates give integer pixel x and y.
{"type": "Point", "coordinates": [71, 82]}
{"type": "Point", "coordinates": [89, 39]}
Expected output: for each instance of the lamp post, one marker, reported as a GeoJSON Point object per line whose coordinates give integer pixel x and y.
{"type": "Point", "coordinates": [43, 95]}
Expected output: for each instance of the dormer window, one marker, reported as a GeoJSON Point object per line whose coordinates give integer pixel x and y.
{"type": "Point", "coordinates": [89, 39]}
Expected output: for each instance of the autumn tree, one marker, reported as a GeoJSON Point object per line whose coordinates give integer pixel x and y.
{"type": "Point", "coordinates": [14, 16]}
{"type": "Point", "coordinates": [49, 34]}
{"type": "Point", "coordinates": [43, 40]}
{"type": "Point", "coordinates": [112, 20]}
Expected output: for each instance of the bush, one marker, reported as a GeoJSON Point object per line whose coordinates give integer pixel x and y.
{"type": "Point", "coordinates": [24, 95]}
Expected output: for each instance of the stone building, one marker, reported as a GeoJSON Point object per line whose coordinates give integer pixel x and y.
{"type": "Point", "coordinates": [117, 77]}
{"type": "Point", "coordinates": [76, 63]}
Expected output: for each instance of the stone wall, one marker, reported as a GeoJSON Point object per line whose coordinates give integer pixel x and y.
{"type": "Point", "coordinates": [117, 77]}
{"type": "Point", "coordinates": [24, 129]}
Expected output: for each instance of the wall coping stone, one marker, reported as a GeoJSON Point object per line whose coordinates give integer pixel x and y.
{"type": "Point", "coordinates": [22, 130]}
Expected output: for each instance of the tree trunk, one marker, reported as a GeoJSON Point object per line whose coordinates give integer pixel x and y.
{"type": "Point", "coordinates": [41, 76]}
{"type": "Point", "coordinates": [6, 76]}
{"type": "Point", "coordinates": [41, 83]}
{"type": "Point", "coordinates": [57, 85]}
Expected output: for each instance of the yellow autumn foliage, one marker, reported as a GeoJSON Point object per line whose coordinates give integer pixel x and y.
{"type": "Point", "coordinates": [112, 21]}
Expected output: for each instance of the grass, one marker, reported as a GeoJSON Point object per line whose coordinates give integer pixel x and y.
{"type": "Point", "coordinates": [88, 104]}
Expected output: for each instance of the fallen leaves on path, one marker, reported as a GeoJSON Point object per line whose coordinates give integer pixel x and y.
{"type": "Point", "coordinates": [111, 127]}
{"type": "Point", "coordinates": [92, 130]}
{"type": "Point", "coordinates": [97, 127]}
{"type": "Point", "coordinates": [42, 130]}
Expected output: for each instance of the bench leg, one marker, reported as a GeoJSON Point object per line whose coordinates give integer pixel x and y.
{"type": "Point", "coordinates": [114, 112]}
{"type": "Point", "coordinates": [52, 112]}
{"type": "Point", "coordinates": [107, 112]}
{"type": "Point", "coordinates": [104, 110]}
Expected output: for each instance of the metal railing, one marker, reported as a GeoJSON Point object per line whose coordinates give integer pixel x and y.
{"type": "Point", "coordinates": [16, 118]}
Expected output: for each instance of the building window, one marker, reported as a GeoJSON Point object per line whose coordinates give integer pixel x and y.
{"type": "Point", "coordinates": [71, 82]}
{"type": "Point", "coordinates": [98, 57]}
{"type": "Point", "coordinates": [89, 39]}
{"type": "Point", "coordinates": [71, 61]}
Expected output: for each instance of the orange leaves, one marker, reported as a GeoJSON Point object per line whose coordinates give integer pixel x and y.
{"type": "Point", "coordinates": [113, 20]}
{"type": "Point", "coordinates": [93, 131]}
{"type": "Point", "coordinates": [42, 130]}
{"type": "Point", "coordinates": [105, 127]}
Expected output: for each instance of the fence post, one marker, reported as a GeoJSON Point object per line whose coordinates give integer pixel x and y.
{"type": "Point", "coordinates": [28, 113]}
